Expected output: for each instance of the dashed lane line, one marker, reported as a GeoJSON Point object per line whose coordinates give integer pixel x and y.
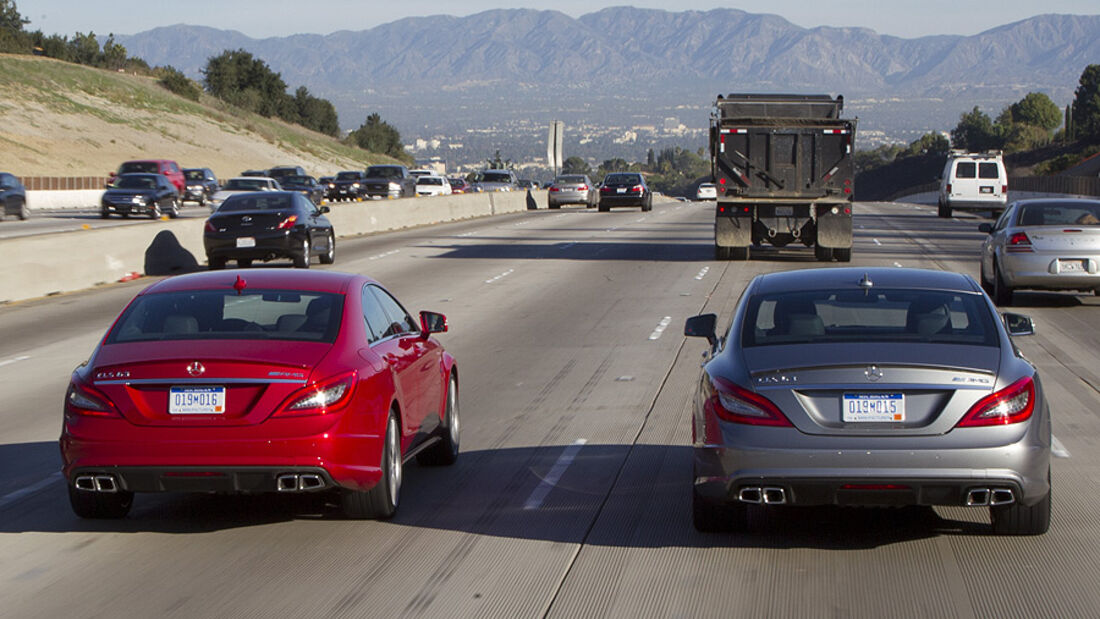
{"type": "Point", "coordinates": [661, 326]}
{"type": "Point", "coordinates": [538, 495]}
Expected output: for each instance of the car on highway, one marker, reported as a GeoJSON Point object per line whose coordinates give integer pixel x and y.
{"type": "Point", "coordinates": [201, 185]}
{"type": "Point", "coordinates": [1042, 244]}
{"type": "Point", "coordinates": [625, 189]}
{"type": "Point", "coordinates": [706, 191]}
{"type": "Point", "coordinates": [268, 225]}
{"type": "Point", "coordinates": [305, 185]}
{"type": "Point", "coordinates": [869, 386]}
{"type": "Point", "coordinates": [271, 380]}
{"type": "Point", "coordinates": [13, 196]}
{"type": "Point", "coordinates": [572, 189]}
{"type": "Point", "coordinates": [260, 173]}
{"type": "Point", "coordinates": [281, 172]}
{"type": "Point", "coordinates": [348, 185]}
{"type": "Point", "coordinates": [167, 167]}
{"type": "Point", "coordinates": [152, 195]}
{"type": "Point", "coordinates": [243, 184]}
{"type": "Point", "coordinates": [390, 181]}
{"type": "Point", "coordinates": [432, 185]}
{"type": "Point", "coordinates": [974, 182]}
{"type": "Point", "coordinates": [420, 172]}
{"type": "Point", "coordinates": [458, 184]}
{"type": "Point", "coordinates": [496, 180]}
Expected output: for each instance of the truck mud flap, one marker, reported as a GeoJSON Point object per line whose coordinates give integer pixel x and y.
{"type": "Point", "coordinates": [834, 230]}
{"type": "Point", "coordinates": [733, 231]}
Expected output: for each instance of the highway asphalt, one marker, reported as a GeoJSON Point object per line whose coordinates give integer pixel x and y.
{"type": "Point", "coordinates": [571, 497]}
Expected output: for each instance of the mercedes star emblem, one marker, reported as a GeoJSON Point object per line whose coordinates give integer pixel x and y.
{"type": "Point", "coordinates": [196, 369]}
{"type": "Point", "coordinates": [873, 373]}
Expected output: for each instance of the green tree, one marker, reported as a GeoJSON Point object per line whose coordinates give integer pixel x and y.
{"type": "Point", "coordinates": [974, 132]}
{"type": "Point", "coordinates": [314, 113]}
{"type": "Point", "coordinates": [114, 54]}
{"type": "Point", "coordinates": [931, 143]}
{"type": "Point", "coordinates": [575, 165]}
{"type": "Point", "coordinates": [84, 49]}
{"type": "Point", "coordinates": [378, 136]}
{"type": "Point", "coordinates": [245, 81]}
{"type": "Point", "coordinates": [10, 19]}
{"type": "Point", "coordinates": [175, 81]}
{"type": "Point", "coordinates": [1086, 104]}
{"type": "Point", "coordinates": [1036, 109]}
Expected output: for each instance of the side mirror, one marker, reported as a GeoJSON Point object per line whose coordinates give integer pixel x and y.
{"type": "Point", "coordinates": [432, 322]}
{"type": "Point", "coordinates": [1018, 324]}
{"type": "Point", "coordinates": [986, 228]}
{"type": "Point", "coordinates": [702, 325]}
{"type": "Point", "coordinates": [324, 209]}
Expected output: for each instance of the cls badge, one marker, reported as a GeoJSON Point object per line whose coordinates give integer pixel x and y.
{"type": "Point", "coordinates": [196, 369]}
{"type": "Point", "coordinates": [872, 373]}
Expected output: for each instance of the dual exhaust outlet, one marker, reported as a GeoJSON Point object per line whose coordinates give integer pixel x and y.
{"type": "Point", "coordinates": [96, 483]}
{"type": "Point", "coordinates": [768, 495]}
{"type": "Point", "coordinates": [299, 482]}
{"type": "Point", "coordinates": [977, 497]}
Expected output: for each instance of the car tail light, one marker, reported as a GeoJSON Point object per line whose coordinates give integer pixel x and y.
{"type": "Point", "coordinates": [1013, 404]}
{"type": "Point", "coordinates": [582, 188]}
{"type": "Point", "coordinates": [209, 227]}
{"type": "Point", "coordinates": [85, 400]}
{"type": "Point", "coordinates": [288, 223]}
{"type": "Point", "coordinates": [948, 188]}
{"type": "Point", "coordinates": [733, 403]}
{"type": "Point", "coordinates": [1004, 189]}
{"type": "Point", "coordinates": [554, 189]}
{"type": "Point", "coordinates": [1019, 243]}
{"type": "Point", "coordinates": [320, 398]}
{"type": "Point", "coordinates": [636, 188]}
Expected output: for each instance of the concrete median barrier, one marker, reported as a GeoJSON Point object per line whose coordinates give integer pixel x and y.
{"type": "Point", "coordinates": [63, 199]}
{"type": "Point", "coordinates": [52, 263]}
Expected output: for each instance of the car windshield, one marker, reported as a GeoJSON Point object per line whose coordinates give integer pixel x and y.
{"type": "Point", "coordinates": [194, 175]}
{"type": "Point", "coordinates": [383, 172]}
{"type": "Point", "coordinates": [297, 179]}
{"type": "Point", "coordinates": [622, 179]}
{"type": "Point", "coordinates": [226, 315]}
{"type": "Point", "coordinates": [256, 202]}
{"type": "Point", "coordinates": [495, 177]}
{"type": "Point", "coordinates": [1060, 214]}
{"type": "Point", "coordinates": [859, 316]}
{"type": "Point", "coordinates": [347, 176]}
{"type": "Point", "coordinates": [140, 167]}
{"type": "Point", "coordinates": [246, 184]}
{"type": "Point", "coordinates": [135, 182]}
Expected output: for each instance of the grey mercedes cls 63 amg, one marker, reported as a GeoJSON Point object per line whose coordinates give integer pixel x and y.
{"type": "Point", "coordinates": [871, 386]}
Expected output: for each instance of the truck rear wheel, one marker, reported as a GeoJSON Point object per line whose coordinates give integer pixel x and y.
{"type": "Point", "coordinates": [843, 254]}
{"type": "Point", "coordinates": [721, 253]}
{"type": "Point", "coordinates": [823, 254]}
{"type": "Point", "coordinates": [944, 210]}
{"type": "Point", "coordinates": [739, 253]}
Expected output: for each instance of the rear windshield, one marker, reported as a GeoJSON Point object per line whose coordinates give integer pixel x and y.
{"type": "Point", "coordinates": [1060, 214]}
{"type": "Point", "coordinates": [139, 167]}
{"type": "Point", "coordinates": [966, 169]}
{"type": "Point", "coordinates": [256, 202]}
{"type": "Point", "coordinates": [429, 180]}
{"type": "Point", "coordinates": [194, 175]}
{"type": "Point", "coordinates": [874, 316]}
{"type": "Point", "coordinates": [988, 170]}
{"type": "Point", "coordinates": [247, 184]}
{"type": "Point", "coordinates": [496, 177]}
{"type": "Point", "coordinates": [225, 315]}
{"type": "Point", "coordinates": [569, 179]}
{"type": "Point", "coordinates": [136, 182]}
{"type": "Point", "coordinates": [622, 179]}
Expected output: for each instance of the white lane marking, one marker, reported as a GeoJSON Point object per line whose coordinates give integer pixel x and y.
{"type": "Point", "coordinates": [566, 245]}
{"type": "Point", "coordinates": [538, 495]}
{"type": "Point", "coordinates": [897, 264]}
{"type": "Point", "coordinates": [14, 360]}
{"type": "Point", "coordinates": [661, 326]}
{"type": "Point", "coordinates": [1057, 448]}
{"type": "Point", "coordinates": [465, 234]}
{"type": "Point", "coordinates": [501, 276]}
{"type": "Point", "coordinates": [12, 497]}
{"type": "Point", "coordinates": [612, 229]}
{"type": "Point", "coordinates": [877, 242]}
{"type": "Point", "coordinates": [640, 219]}
{"type": "Point", "coordinates": [384, 254]}
{"type": "Point", "coordinates": [702, 273]}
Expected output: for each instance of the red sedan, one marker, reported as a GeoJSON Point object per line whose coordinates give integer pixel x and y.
{"type": "Point", "coordinates": [268, 380]}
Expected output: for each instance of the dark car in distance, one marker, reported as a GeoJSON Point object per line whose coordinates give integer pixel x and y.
{"type": "Point", "coordinates": [283, 171]}
{"type": "Point", "coordinates": [13, 196]}
{"type": "Point", "coordinates": [201, 184]}
{"type": "Point", "coordinates": [390, 181]}
{"type": "Point", "coordinates": [625, 189]}
{"type": "Point", "coordinates": [140, 194]}
{"type": "Point", "coordinates": [305, 185]}
{"type": "Point", "coordinates": [167, 167]}
{"type": "Point", "coordinates": [268, 225]}
{"type": "Point", "coordinates": [348, 185]}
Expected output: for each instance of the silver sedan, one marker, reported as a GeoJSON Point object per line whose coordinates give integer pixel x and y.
{"type": "Point", "coordinates": [572, 189]}
{"type": "Point", "coordinates": [869, 387]}
{"type": "Point", "coordinates": [1045, 244]}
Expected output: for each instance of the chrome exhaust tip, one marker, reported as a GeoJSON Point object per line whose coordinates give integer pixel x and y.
{"type": "Point", "coordinates": [774, 496]}
{"type": "Point", "coordinates": [287, 482]}
{"type": "Point", "coordinates": [750, 494]}
{"type": "Point", "coordinates": [105, 483]}
{"type": "Point", "coordinates": [84, 482]}
{"type": "Point", "coordinates": [1001, 496]}
{"type": "Point", "coordinates": [310, 481]}
{"type": "Point", "coordinates": [977, 497]}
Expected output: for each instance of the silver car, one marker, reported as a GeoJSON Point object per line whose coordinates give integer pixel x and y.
{"type": "Point", "coordinates": [572, 189]}
{"type": "Point", "coordinates": [1045, 244]}
{"type": "Point", "coordinates": [869, 387]}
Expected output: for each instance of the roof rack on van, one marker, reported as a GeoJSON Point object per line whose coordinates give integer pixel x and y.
{"type": "Point", "coordinates": [962, 152]}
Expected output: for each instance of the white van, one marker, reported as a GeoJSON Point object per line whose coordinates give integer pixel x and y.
{"type": "Point", "coordinates": [974, 182]}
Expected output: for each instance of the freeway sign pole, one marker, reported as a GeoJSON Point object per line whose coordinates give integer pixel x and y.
{"type": "Point", "coordinates": [553, 145]}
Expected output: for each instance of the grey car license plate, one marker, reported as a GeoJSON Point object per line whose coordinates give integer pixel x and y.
{"type": "Point", "coordinates": [1071, 266]}
{"type": "Point", "coordinates": [986, 189]}
{"type": "Point", "coordinates": [859, 407]}
{"type": "Point", "coordinates": [196, 401]}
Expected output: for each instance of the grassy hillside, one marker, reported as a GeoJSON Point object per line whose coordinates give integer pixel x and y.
{"type": "Point", "coordinates": [61, 119]}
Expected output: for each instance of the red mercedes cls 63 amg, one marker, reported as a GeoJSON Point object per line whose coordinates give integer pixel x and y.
{"type": "Point", "coordinates": [267, 380]}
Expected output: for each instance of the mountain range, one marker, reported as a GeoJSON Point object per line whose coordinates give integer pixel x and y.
{"type": "Point", "coordinates": [505, 61]}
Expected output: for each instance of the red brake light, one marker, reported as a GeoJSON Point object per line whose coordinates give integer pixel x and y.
{"type": "Point", "coordinates": [85, 400]}
{"type": "Point", "coordinates": [732, 403]}
{"type": "Point", "coordinates": [209, 227]}
{"type": "Point", "coordinates": [1019, 243]}
{"type": "Point", "coordinates": [554, 188]}
{"type": "Point", "coordinates": [320, 398]}
{"type": "Point", "coordinates": [582, 188]}
{"type": "Point", "coordinates": [1004, 189]}
{"type": "Point", "coordinates": [948, 188]}
{"type": "Point", "coordinates": [637, 188]}
{"type": "Point", "coordinates": [288, 222]}
{"type": "Point", "coordinates": [1013, 404]}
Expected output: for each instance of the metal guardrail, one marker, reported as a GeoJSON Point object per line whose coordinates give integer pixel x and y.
{"type": "Point", "coordinates": [1072, 185]}
{"type": "Point", "coordinates": [63, 183]}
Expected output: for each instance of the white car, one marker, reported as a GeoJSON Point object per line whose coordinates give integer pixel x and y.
{"type": "Point", "coordinates": [973, 181]}
{"type": "Point", "coordinates": [706, 191]}
{"type": "Point", "coordinates": [432, 185]}
{"type": "Point", "coordinates": [243, 184]}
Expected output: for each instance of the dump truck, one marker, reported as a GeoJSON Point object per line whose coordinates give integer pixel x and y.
{"type": "Point", "coordinates": [783, 168]}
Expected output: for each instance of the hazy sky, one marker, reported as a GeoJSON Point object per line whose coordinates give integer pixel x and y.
{"type": "Point", "coordinates": [258, 19]}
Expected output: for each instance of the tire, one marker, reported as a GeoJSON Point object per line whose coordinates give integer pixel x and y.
{"type": "Point", "coordinates": [1002, 294]}
{"type": "Point", "coordinates": [843, 254]}
{"type": "Point", "coordinates": [944, 210]}
{"type": "Point", "coordinates": [381, 500]}
{"type": "Point", "coordinates": [22, 211]}
{"type": "Point", "coordinates": [823, 254]}
{"type": "Point", "coordinates": [154, 211]}
{"type": "Point", "coordinates": [301, 259]}
{"type": "Point", "coordinates": [216, 264]}
{"type": "Point", "coordinates": [445, 452]}
{"type": "Point", "coordinates": [1017, 519]}
{"type": "Point", "coordinates": [709, 517]}
{"type": "Point", "coordinates": [604, 208]}
{"type": "Point", "coordinates": [104, 213]}
{"type": "Point", "coordinates": [100, 505]}
{"type": "Point", "coordinates": [202, 201]}
{"type": "Point", "coordinates": [721, 253]}
{"type": "Point", "coordinates": [987, 286]}
{"type": "Point", "coordinates": [330, 254]}
{"type": "Point", "coordinates": [553, 206]}
{"type": "Point", "coordinates": [174, 210]}
{"type": "Point", "coordinates": [739, 253]}
{"type": "Point", "coordinates": [244, 263]}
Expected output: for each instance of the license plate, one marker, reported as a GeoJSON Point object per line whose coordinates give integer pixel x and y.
{"type": "Point", "coordinates": [1071, 266]}
{"type": "Point", "coordinates": [620, 190]}
{"type": "Point", "coordinates": [986, 190]}
{"type": "Point", "coordinates": [784, 211]}
{"type": "Point", "coordinates": [873, 407]}
{"type": "Point", "coordinates": [196, 401]}
{"type": "Point", "coordinates": [246, 241]}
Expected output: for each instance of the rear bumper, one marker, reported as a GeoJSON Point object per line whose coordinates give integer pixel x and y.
{"type": "Point", "coordinates": [251, 479]}
{"type": "Point", "coordinates": [283, 244]}
{"type": "Point", "coordinates": [610, 199]}
{"type": "Point", "coordinates": [977, 204]}
{"type": "Point", "coordinates": [1041, 271]}
{"type": "Point", "coordinates": [567, 197]}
